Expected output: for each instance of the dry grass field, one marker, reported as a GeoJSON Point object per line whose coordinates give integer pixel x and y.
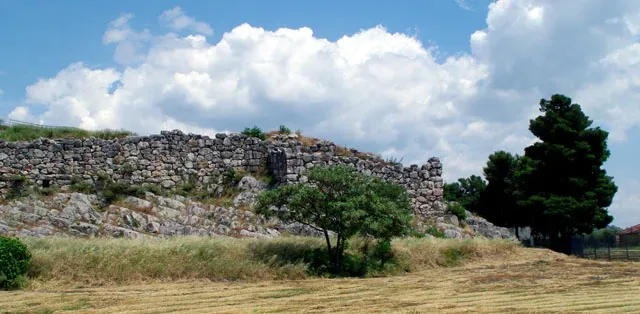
{"type": "Point", "coordinates": [529, 281]}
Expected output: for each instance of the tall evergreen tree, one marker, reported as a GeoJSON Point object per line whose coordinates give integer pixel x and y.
{"type": "Point", "coordinates": [498, 200]}
{"type": "Point", "coordinates": [561, 182]}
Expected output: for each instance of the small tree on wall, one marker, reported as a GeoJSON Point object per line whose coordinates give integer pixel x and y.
{"type": "Point", "coordinates": [343, 202]}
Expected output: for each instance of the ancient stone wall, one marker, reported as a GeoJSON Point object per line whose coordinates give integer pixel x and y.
{"type": "Point", "coordinates": [173, 158]}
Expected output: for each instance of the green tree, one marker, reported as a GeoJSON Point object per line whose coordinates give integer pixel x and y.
{"type": "Point", "coordinates": [605, 236]}
{"type": "Point", "coordinates": [561, 183]}
{"type": "Point", "coordinates": [467, 192]}
{"type": "Point", "coordinates": [341, 201]}
{"type": "Point", "coordinates": [499, 204]}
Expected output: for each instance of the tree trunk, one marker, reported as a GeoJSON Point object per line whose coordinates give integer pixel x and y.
{"type": "Point", "coordinates": [338, 253]}
{"type": "Point", "coordinates": [326, 236]}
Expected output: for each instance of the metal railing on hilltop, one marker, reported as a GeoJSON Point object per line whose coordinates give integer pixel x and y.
{"type": "Point", "coordinates": [13, 122]}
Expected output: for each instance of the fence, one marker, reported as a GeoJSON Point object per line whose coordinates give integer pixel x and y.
{"type": "Point", "coordinates": [13, 122]}
{"type": "Point", "coordinates": [608, 248]}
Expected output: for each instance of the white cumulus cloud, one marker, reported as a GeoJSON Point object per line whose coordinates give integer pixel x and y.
{"type": "Point", "coordinates": [178, 20]}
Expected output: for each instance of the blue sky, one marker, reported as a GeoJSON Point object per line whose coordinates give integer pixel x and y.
{"type": "Point", "coordinates": [409, 79]}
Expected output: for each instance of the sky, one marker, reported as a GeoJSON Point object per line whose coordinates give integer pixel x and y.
{"type": "Point", "coordinates": [457, 79]}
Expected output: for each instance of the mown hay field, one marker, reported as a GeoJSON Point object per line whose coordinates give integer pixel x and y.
{"type": "Point", "coordinates": [518, 281]}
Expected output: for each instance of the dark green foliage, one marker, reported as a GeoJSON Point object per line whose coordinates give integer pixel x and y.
{"type": "Point", "coordinates": [284, 130]}
{"type": "Point", "coordinates": [562, 185]}
{"type": "Point", "coordinates": [114, 191]}
{"type": "Point", "coordinates": [14, 262]}
{"type": "Point", "coordinates": [254, 132]}
{"type": "Point", "coordinates": [378, 256]}
{"type": "Point", "coordinates": [344, 202]}
{"type": "Point", "coordinates": [499, 204]}
{"type": "Point", "coordinates": [81, 186]}
{"type": "Point", "coordinates": [467, 192]}
{"type": "Point", "coordinates": [458, 211]}
{"type": "Point", "coordinates": [432, 230]}
{"type": "Point", "coordinates": [372, 256]}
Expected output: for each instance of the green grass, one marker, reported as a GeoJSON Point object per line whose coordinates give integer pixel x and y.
{"type": "Point", "coordinates": [100, 261]}
{"type": "Point", "coordinates": [19, 133]}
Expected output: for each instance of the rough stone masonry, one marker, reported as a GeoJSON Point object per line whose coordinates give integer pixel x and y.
{"type": "Point", "coordinates": [173, 158]}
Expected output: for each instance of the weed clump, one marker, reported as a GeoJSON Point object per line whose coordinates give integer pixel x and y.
{"type": "Point", "coordinates": [284, 130]}
{"type": "Point", "coordinates": [432, 230]}
{"type": "Point", "coordinates": [458, 211]}
{"type": "Point", "coordinates": [254, 132]}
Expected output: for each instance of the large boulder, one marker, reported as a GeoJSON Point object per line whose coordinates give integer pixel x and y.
{"type": "Point", "coordinates": [250, 188]}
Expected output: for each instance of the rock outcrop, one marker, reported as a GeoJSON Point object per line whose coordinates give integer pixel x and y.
{"type": "Point", "coordinates": [75, 214]}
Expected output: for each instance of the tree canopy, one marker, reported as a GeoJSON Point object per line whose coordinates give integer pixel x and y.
{"type": "Point", "coordinates": [561, 181]}
{"type": "Point", "coordinates": [341, 201]}
{"type": "Point", "coordinates": [466, 192]}
{"type": "Point", "coordinates": [498, 202]}
{"type": "Point", "coordinates": [558, 187]}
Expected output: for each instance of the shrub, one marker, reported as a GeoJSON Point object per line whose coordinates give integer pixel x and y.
{"type": "Point", "coordinates": [432, 230]}
{"type": "Point", "coordinates": [81, 186]}
{"type": "Point", "coordinates": [458, 210]}
{"type": "Point", "coordinates": [14, 262]}
{"type": "Point", "coordinates": [114, 191]}
{"type": "Point", "coordinates": [254, 132]}
{"type": "Point", "coordinates": [50, 190]}
{"type": "Point", "coordinates": [284, 130]}
{"type": "Point", "coordinates": [232, 177]}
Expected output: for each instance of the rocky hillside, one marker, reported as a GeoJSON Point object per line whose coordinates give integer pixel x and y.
{"type": "Point", "coordinates": [82, 215]}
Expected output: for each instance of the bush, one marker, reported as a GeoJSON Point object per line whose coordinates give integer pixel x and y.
{"type": "Point", "coordinates": [51, 190]}
{"type": "Point", "coordinates": [284, 130]}
{"type": "Point", "coordinates": [80, 186]}
{"type": "Point", "coordinates": [458, 210]}
{"type": "Point", "coordinates": [432, 230]}
{"type": "Point", "coordinates": [254, 132]}
{"type": "Point", "coordinates": [14, 262]}
{"type": "Point", "coordinates": [114, 191]}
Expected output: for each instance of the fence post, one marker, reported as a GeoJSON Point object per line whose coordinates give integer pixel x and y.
{"type": "Point", "coordinates": [609, 249]}
{"type": "Point", "coordinates": [595, 252]}
{"type": "Point", "coordinates": [626, 246]}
